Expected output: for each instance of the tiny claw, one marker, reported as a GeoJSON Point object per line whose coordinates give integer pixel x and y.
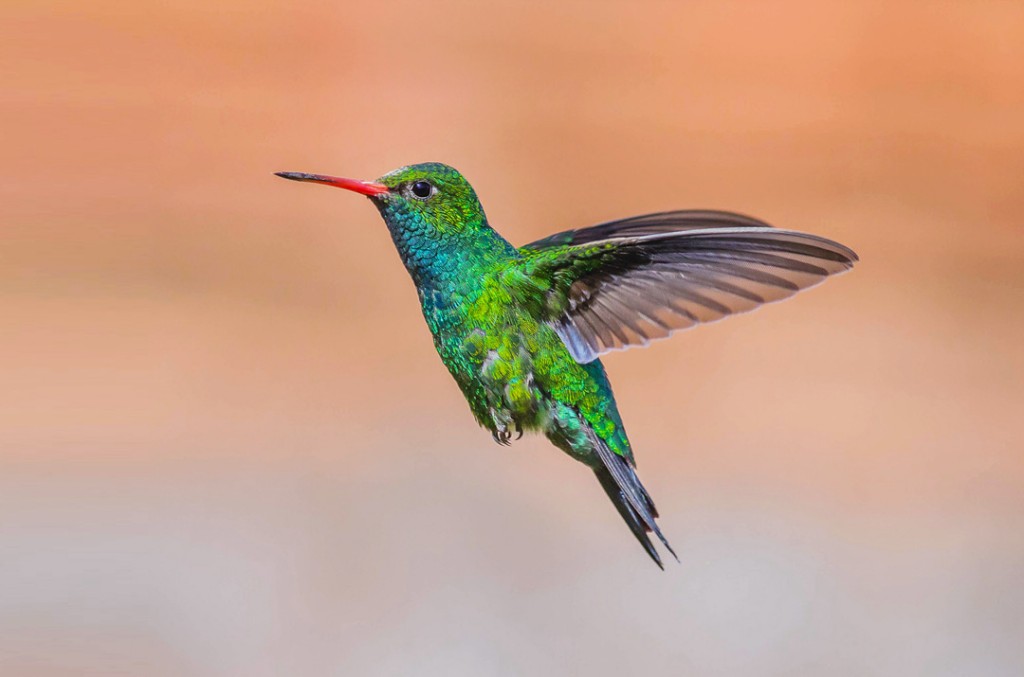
{"type": "Point", "coordinates": [519, 430]}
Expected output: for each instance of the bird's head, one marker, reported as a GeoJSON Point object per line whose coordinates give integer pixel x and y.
{"type": "Point", "coordinates": [430, 197]}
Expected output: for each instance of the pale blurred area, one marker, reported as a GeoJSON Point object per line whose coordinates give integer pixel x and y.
{"type": "Point", "coordinates": [227, 446]}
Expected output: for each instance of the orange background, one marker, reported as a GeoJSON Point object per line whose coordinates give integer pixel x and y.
{"type": "Point", "coordinates": [227, 446]}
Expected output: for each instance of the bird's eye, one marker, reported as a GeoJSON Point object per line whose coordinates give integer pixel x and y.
{"type": "Point", "coordinates": [422, 189]}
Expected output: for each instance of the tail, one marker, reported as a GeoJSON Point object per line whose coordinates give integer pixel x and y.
{"type": "Point", "coordinates": [619, 481]}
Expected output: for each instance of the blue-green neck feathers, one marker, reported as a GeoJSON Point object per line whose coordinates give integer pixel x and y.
{"type": "Point", "coordinates": [438, 224]}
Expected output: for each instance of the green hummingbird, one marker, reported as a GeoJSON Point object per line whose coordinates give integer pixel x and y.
{"type": "Point", "coordinates": [521, 328]}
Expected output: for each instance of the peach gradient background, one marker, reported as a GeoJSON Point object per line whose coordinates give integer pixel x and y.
{"type": "Point", "coordinates": [227, 446]}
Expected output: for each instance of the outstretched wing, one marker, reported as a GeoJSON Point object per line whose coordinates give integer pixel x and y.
{"type": "Point", "coordinates": [625, 283]}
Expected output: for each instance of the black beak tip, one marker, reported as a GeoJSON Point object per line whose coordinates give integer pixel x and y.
{"type": "Point", "coordinates": [293, 176]}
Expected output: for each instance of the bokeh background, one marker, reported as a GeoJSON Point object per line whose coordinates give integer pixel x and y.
{"type": "Point", "coordinates": [227, 446]}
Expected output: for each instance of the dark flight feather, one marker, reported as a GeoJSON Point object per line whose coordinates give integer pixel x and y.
{"type": "Point", "coordinates": [649, 224]}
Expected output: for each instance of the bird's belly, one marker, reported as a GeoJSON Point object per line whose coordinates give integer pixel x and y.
{"type": "Point", "coordinates": [495, 368]}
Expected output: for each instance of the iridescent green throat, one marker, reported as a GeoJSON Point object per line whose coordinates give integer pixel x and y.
{"type": "Point", "coordinates": [443, 239]}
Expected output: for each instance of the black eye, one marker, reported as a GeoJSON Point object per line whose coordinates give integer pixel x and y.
{"type": "Point", "coordinates": [422, 189]}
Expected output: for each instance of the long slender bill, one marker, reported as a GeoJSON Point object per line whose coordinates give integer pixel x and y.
{"type": "Point", "coordinates": [356, 186]}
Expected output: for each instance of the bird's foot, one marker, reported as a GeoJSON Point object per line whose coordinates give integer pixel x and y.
{"type": "Point", "coordinates": [500, 431]}
{"type": "Point", "coordinates": [502, 436]}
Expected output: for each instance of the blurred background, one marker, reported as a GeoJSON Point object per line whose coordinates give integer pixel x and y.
{"type": "Point", "coordinates": [227, 446]}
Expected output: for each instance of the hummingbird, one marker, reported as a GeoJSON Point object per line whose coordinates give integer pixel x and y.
{"type": "Point", "coordinates": [521, 329]}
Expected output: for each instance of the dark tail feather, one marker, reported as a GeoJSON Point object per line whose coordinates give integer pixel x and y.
{"type": "Point", "coordinates": [628, 514]}
{"type": "Point", "coordinates": [619, 481]}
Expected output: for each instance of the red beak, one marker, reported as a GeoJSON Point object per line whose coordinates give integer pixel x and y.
{"type": "Point", "coordinates": [361, 187]}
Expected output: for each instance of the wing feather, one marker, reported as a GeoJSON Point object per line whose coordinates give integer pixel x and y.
{"type": "Point", "coordinates": [626, 283]}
